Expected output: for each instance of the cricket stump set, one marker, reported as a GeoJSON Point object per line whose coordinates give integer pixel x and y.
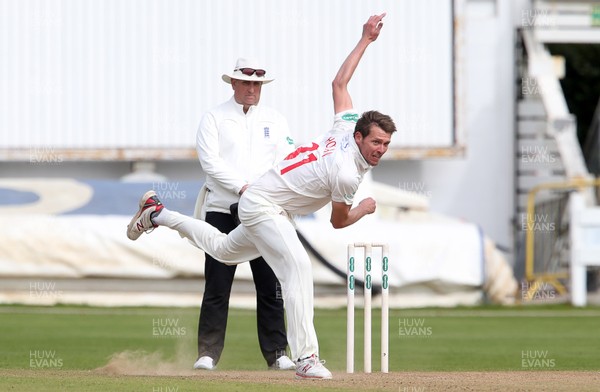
{"type": "Point", "coordinates": [350, 286]}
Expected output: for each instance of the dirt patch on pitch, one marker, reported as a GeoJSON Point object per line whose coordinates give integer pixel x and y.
{"type": "Point", "coordinates": [426, 381]}
{"type": "Point", "coordinates": [139, 364]}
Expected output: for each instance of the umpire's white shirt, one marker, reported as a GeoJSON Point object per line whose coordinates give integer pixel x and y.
{"type": "Point", "coordinates": [235, 148]}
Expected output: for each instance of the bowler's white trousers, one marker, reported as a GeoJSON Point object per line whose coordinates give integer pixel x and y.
{"type": "Point", "coordinates": [273, 236]}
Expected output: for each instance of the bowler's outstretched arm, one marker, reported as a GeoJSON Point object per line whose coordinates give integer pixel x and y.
{"type": "Point", "coordinates": [341, 98]}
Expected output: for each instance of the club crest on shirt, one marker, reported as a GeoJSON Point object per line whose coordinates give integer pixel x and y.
{"type": "Point", "coordinates": [345, 142]}
{"type": "Point", "coordinates": [267, 132]}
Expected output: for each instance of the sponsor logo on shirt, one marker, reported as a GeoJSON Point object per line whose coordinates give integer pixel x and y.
{"type": "Point", "coordinates": [353, 117]}
{"type": "Point", "coordinates": [330, 144]}
{"type": "Point", "coordinates": [267, 132]}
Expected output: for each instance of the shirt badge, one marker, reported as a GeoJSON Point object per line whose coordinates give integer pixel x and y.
{"type": "Point", "coordinates": [352, 117]}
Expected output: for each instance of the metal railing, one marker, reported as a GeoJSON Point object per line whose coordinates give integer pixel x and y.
{"type": "Point", "coordinates": [546, 234]}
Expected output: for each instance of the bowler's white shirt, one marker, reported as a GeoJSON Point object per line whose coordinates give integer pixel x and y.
{"type": "Point", "coordinates": [330, 168]}
{"type": "Point", "coordinates": [235, 148]}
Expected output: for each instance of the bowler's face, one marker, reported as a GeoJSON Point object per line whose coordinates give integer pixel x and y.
{"type": "Point", "coordinates": [246, 92]}
{"type": "Point", "coordinates": [374, 145]}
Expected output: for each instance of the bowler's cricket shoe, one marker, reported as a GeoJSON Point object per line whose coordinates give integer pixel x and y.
{"type": "Point", "coordinates": [311, 367]}
{"type": "Point", "coordinates": [141, 222]}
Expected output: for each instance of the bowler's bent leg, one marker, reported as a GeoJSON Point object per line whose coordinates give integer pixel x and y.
{"type": "Point", "coordinates": [277, 241]}
{"type": "Point", "coordinates": [232, 248]}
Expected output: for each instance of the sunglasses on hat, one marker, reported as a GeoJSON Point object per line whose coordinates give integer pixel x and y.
{"type": "Point", "coordinates": [252, 71]}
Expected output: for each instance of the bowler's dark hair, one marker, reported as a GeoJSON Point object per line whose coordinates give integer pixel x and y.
{"type": "Point", "coordinates": [373, 117]}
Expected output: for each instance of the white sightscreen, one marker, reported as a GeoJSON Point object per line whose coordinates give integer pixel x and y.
{"type": "Point", "coordinates": [140, 73]}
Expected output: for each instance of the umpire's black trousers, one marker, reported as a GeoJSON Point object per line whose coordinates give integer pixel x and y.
{"type": "Point", "coordinates": [215, 303]}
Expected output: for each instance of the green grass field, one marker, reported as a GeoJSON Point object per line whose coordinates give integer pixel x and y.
{"type": "Point", "coordinates": [63, 347]}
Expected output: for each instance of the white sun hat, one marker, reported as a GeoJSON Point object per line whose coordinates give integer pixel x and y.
{"type": "Point", "coordinates": [247, 69]}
